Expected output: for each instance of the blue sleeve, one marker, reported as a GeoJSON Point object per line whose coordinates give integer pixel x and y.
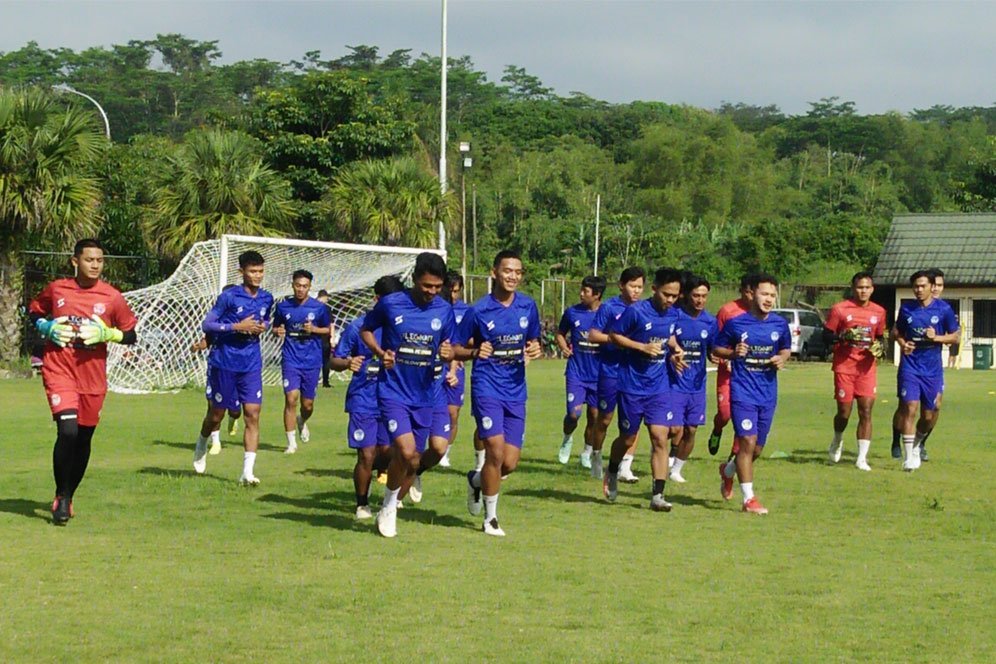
{"type": "Point", "coordinates": [713, 332]}
{"type": "Point", "coordinates": [725, 338]}
{"type": "Point", "coordinates": [347, 341]}
{"type": "Point", "coordinates": [324, 316]}
{"type": "Point", "coordinates": [534, 331]}
{"type": "Point", "coordinates": [467, 329]}
{"type": "Point", "coordinates": [625, 324]}
{"type": "Point", "coordinates": [211, 324]}
{"type": "Point", "coordinates": [901, 325]}
{"type": "Point", "coordinates": [565, 323]}
{"type": "Point", "coordinates": [449, 327]}
{"type": "Point", "coordinates": [950, 321]}
{"type": "Point", "coordinates": [377, 317]}
{"type": "Point", "coordinates": [601, 317]}
{"type": "Point", "coordinates": [784, 337]}
{"type": "Point", "coordinates": [278, 320]}
{"type": "Point", "coordinates": [269, 310]}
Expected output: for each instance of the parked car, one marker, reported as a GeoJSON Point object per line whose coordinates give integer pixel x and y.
{"type": "Point", "coordinates": [807, 333]}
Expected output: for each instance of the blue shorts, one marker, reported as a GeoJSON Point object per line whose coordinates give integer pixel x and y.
{"type": "Point", "coordinates": [608, 393]}
{"type": "Point", "coordinates": [689, 409]}
{"type": "Point", "coordinates": [366, 430]}
{"type": "Point", "coordinates": [303, 380]}
{"type": "Point", "coordinates": [925, 389]}
{"type": "Point", "coordinates": [580, 394]}
{"type": "Point", "coordinates": [440, 427]}
{"type": "Point", "coordinates": [454, 395]}
{"type": "Point", "coordinates": [649, 409]}
{"type": "Point", "coordinates": [500, 418]}
{"type": "Point", "coordinates": [751, 420]}
{"type": "Point", "coordinates": [401, 419]}
{"type": "Point", "coordinates": [232, 389]}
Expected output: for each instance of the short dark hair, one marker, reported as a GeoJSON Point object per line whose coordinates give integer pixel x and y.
{"type": "Point", "coordinates": [925, 274]}
{"type": "Point", "coordinates": [388, 284]}
{"type": "Point", "coordinates": [428, 262]}
{"type": "Point", "coordinates": [323, 292]}
{"type": "Point", "coordinates": [303, 273]}
{"type": "Point", "coordinates": [250, 258]}
{"type": "Point", "coordinates": [762, 278]}
{"type": "Point", "coordinates": [667, 275]}
{"type": "Point", "coordinates": [632, 273]}
{"type": "Point", "coordinates": [595, 283]}
{"type": "Point", "coordinates": [858, 276]}
{"type": "Point", "coordinates": [86, 243]}
{"type": "Point", "coordinates": [503, 254]}
{"type": "Point", "coordinates": [693, 281]}
{"type": "Point", "coordinates": [452, 279]}
{"type": "Point", "coordinates": [745, 280]}
{"type": "Point", "coordinates": [935, 272]}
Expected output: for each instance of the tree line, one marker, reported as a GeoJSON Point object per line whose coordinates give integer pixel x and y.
{"type": "Point", "coordinates": [346, 148]}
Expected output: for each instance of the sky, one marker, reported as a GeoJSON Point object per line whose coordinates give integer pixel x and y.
{"type": "Point", "coordinates": [884, 56]}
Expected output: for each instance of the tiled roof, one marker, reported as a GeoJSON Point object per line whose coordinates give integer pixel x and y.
{"type": "Point", "coordinates": [962, 245]}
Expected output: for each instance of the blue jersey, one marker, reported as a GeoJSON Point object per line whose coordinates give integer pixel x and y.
{"type": "Point", "coordinates": [503, 375]}
{"type": "Point", "coordinates": [414, 332]}
{"type": "Point", "coordinates": [696, 335]}
{"type": "Point", "coordinates": [643, 322]}
{"type": "Point", "coordinates": [912, 323]}
{"type": "Point", "coordinates": [754, 380]}
{"type": "Point", "coordinates": [301, 350]}
{"type": "Point", "coordinates": [582, 365]}
{"type": "Point", "coordinates": [605, 318]}
{"type": "Point", "coordinates": [230, 350]}
{"type": "Point", "coordinates": [460, 309]}
{"type": "Point", "coordinates": [361, 395]}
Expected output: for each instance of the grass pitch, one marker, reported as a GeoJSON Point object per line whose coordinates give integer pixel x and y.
{"type": "Point", "coordinates": [162, 565]}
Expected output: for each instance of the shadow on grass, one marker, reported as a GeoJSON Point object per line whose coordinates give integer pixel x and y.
{"type": "Point", "coordinates": [709, 504]}
{"type": "Point", "coordinates": [324, 520]}
{"type": "Point", "coordinates": [189, 445]}
{"type": "Point", "coordinates": [179, 472]}
{"type": "Point", "coordinates": [818, 457]}
{"type": "Point", "coordinates": [29, 508]}
{"type": "Point", "coordinates": [335, 509]}
{"type": "Point", "coordinates": [341, 473]}
{"type": "Point", "coordinates": [555, 494]}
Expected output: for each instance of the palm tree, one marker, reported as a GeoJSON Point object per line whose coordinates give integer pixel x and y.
{"type": "Point", "coordinates": [216, 183]}
{"type": "Point", "coordinates": [49, 191]}
{"type": "Point", "coordinates": [390, 202]}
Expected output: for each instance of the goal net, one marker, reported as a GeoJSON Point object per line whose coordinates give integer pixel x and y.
{"type": "Point", "coordinates": [170, 313]}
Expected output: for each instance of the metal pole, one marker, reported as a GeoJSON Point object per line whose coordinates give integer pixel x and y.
{"type": "Point", "coordinates": [473, 216]}
{"type": "Point", "coordinates": [598, 209]}
{"type": "Point", "coordinates": [463, 225]}
{"type": "Point", "coordinates": [442, 125]}
{"type": "Point", "coordinates": [62, 87]}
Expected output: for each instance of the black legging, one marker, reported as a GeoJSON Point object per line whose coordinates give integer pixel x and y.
{"type": "Point", "coordinates": [71, 453]}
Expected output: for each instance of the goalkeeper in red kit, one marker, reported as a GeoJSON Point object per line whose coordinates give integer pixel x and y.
{"type": "Point", "coordinates": [78, 317]}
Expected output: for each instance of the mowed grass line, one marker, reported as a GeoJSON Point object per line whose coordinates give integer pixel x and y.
{"type": "Point", "coordinates": [161, 565]}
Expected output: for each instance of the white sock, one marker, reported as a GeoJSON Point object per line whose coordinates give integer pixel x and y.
{"type": "Point", "coordinates": [568, 439]}
{"type": "Point", "coordinates": [391, 498]}
{"type": "Point", "coordinates": [678, 463]}
{"type": "Point", "coordinates": [478, 460]}
{"type": "Point", "coordinates": [248, 462]}
{"type": "Point", "coordinates": [748, 490]}
{"type": "Point", "coordinates": [838, 436]}
{"type": "Point", "coordinates": [490, 507]}
{"type": "Point", "coordinates": [588, 450]}
{"type": "Point", "coordinates": [918, 438]}
{"type": "Point", "coordinates": [730, 469]}
{"type": "Point", "coordinates": [908, 445]}
{"type": "Point", "coordinates": [475, 481]}
{"type": "Point", "coordinates": [215, 437]}
{"type": "Point", "coordinates": [291, 438]}
{"type": "Point", "coordinates": [596, 454]}
{"type": "Point", "coordinates": [626, 465]}
{"type": "Point", "coordinates": [863, 446]}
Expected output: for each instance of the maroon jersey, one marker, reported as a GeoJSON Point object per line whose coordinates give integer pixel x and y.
{"type": "Point", "coordinates": [83, 366]}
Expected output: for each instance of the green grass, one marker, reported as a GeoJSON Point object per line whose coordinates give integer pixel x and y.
{"type": "Point", "coordinates": [160, 565]}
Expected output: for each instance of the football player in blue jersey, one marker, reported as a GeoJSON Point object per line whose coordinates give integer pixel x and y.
{"type": "Point", "coordinates": [695, 335]}
{"type": "Point", "coordinates": [644, 333]}
{"type": "Point", "coordinates": [631, 283]}
{"type": "Point", "coordinates": [500, 333]}
{"type": "Point", "coordinates": [921, 328]}
{"type": "Point", "coordinates": [758, 343]}
{"type": "Point", "coordinates": [416, 327]}
{"type": "Point", "coordinates": [302, 321]}
{"type": "Point", "coordinates": [235, 366]}
{"type": "Point", "coordinates": [366, 432]}
{"type": "Point", "coordinates": [456, 381]}
{"type": "Point", "coordinates": [581, 374]}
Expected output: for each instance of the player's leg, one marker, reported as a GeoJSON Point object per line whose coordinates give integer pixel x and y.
{"type": "Point", "coordinates": [575, 404]}
{"type": "Point", "coordinates": [221, 393]}
{"type": "Point", "coordinates": [630, 417]}
{"type": "Point", "coordinates": [250, 443]}
{"type": "Point", "coordinates": [292, 400]}
{"type": "Point", "coordinates": [745, 468]}
{"type": "Point", "coordinates": [404, 459]}
{"type": "Point", "coordinates": [626, 473]}
{"type": "Point", "coordinates": [454, 413]}
{"type": "Point", "coordinates": [439, 442]}
{"type": "Point", "coordinates": [937, 412]}
{"type": "Point", "coordinates": [898, 420]}
{"type": "Point", "coordinates": [590, 425]}
{"type": "Point", "coordinates": [590, 407]}
{"type": "Point", "coordinates": [605, 397]}
{"type": "Point", "coordinates": [88, 417]}
{"type": "Point", "coordinates": [309, 391]}
{"type": "Point", "coordinates": [722, 416]}
{"type": "Point", "coordinates": [233, 424]}
{"type": "Point", "coordinates": [361, 433]}
{"type": "Point", "coordinates": [63, 453]}
{"type": "Point", "coordinates": [843, 394]}
{"type": "Point", "coordinates": [660, 451]}
{"type": "Point", "coordinates": [865, 405]}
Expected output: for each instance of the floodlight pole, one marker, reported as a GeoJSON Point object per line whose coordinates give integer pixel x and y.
{"type": "Point", "coordinates": [598, 209]}
{"type": "Point", "coordinates": [442, 125]}
{"type": "Point", "coordinates": [62, 87]}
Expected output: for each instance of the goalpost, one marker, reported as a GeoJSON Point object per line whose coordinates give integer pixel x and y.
{"type": "Point", "coordinates": [170, 313]}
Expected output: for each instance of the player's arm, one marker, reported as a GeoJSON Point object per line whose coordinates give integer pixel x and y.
{"type": "Point", "coordinates": [596, 336]}
{"type": "Point", "coordinates": [323, 328]}
{"type": "Point", "coordinates": [534, 332]}
{"type": "Point", "coordinates": [725, 344]}
{"type": "Point", "coordinates": [465, 344]}
{"type": "Point", "coordinates": [55, 330]}
{"type": "Point", "coordinates": [561, 340]}
{"type": "Point", "coordinates": [346, 354]}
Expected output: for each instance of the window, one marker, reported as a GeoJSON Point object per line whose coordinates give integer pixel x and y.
{"type": "Point", "coordinates": [984, 318]}
{"type": "Point", "coordinates": [810, 319]}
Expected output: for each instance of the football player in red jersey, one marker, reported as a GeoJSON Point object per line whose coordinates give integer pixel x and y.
{"type": "Point", "coordinates": [78, 317]}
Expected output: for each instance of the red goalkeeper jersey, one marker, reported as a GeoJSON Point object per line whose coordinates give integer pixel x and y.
{"type": "Point", "coordinates": [84, 366]}
{"type": "Point", "coordinates": [852, 356]}
{"type": "Point", "coordinates": [727, 312]}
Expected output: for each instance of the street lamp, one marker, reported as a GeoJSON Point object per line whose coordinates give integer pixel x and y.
{"type": "Point", "coordinates": [466, 163]}
{"type": "Point", "coordinates": [62, 87]}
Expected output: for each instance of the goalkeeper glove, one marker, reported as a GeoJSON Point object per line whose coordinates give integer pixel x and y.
{"type": "Point", "coordinates": [97, 332]}
{"type": "Point", "coordinates": [55, 330]}
{"type": "Point", "coordinates": [877, 349]}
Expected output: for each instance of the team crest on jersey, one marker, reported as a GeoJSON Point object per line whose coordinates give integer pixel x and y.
{"type": "Point", "coordinates": [207, 390]}
{"type": "Point", "coordinates": [849, 318]}
{"type": "Point", "coordinates": [311, 315]}
{"type": "Point", "coordinates": [873, 320]}
{"type": "Point", "coordinates": [358, 435]}
{"type": "Point", "coordinates": [398, 320]}
{"type": "Point", "coordinates": [486, 422]}
{"type": "Point", "coordinates": [436, 324]}
{"type": "Point", "coordinates": [99, 308]}
{"type": "Point", "coordinates": [55, 399]}
{"type": "Point", "coordinates": [934, 320]}
{"type": "Point", "coordinates": [523, 322]}
{"type": "Point", "coordinates": [746, 425]}
{"type": "Point", "coordinates": [704, 333]}
{"type": "Point", "coordinates": [392, 425]}
{"type": "Point", "coordinates": [774, 336]}
{"type": "Point", "coordinates": [841, 392]}
{"type": "Point", "coordinates": [262, 312]}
